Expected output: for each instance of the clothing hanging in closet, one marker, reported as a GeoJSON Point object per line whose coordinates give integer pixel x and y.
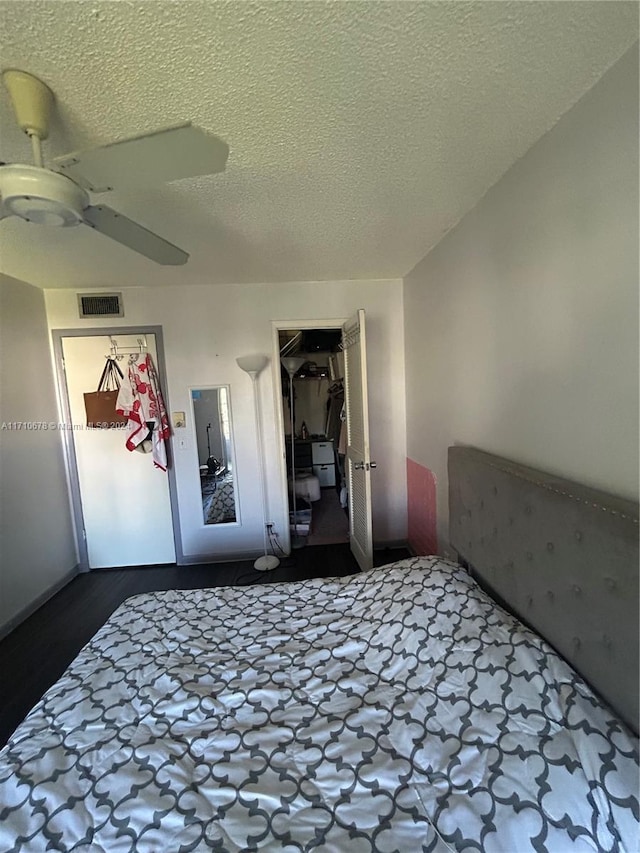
{"type": "Point", "coordinates": [335, 403]}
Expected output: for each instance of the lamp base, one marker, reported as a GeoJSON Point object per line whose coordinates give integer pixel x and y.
{"type": "Point", "coordinates": [266, 563]}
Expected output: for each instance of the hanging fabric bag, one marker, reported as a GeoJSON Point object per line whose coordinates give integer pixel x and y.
{"type": "Point", "coordinates": [100, 405]}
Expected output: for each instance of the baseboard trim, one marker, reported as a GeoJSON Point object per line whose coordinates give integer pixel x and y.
{"type": "Point", "coordinates": [31, 608]}
{"type": "Point", "coordinates": [207, 559]}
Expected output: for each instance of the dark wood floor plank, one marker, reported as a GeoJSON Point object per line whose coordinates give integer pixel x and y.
{"type": "Point", "coordinates": [37, 652]}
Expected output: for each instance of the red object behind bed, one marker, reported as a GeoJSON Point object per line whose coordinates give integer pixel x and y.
{"type": "Point", "coordinates": [421, 509]}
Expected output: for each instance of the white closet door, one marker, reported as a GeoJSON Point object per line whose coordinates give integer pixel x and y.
{"type": "Point", "coordinates": [125, 500]}
{"type": "Point", "coordinates": [358, 460]}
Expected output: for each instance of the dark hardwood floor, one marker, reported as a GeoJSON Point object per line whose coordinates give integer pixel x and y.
{"type": "Point", "coordinates": [38, 651]}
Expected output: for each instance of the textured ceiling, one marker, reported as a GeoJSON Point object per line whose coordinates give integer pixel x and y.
{"type": "Point", "coordinates": [360, 132]}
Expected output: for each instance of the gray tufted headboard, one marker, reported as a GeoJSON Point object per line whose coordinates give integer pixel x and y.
{"type": "Point", "coordinates": [561, 556]}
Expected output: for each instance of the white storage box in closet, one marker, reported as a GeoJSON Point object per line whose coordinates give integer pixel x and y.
{"type": "Point", "coordinates": [307, 486]}
{"type": "Point", "coordinates": [323, 462]}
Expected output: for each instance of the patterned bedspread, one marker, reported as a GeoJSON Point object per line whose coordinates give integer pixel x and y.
{"type": "Point", "coordinates": [399, 710]}
{"type": "Point", "coordinates": [221, 506]}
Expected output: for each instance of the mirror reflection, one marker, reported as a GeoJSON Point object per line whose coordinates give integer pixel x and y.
{"type": "Point", "coordinates": [212, 419]}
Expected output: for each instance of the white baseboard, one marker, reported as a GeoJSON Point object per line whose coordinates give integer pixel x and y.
{"type": "Point", "coordinates": [207, 559]}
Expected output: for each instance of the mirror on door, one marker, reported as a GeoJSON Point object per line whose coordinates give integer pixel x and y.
{"type": "Point", "coordinates": [216, 468]}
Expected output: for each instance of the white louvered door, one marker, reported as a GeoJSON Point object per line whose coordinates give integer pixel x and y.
{"type": "Point", "coordinates": [358, 460]}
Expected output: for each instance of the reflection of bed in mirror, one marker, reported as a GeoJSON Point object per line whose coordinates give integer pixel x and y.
{"type": "Point", "coordinates": [218, 498]}
{"type": "Point", "coordinates": [212, 419]}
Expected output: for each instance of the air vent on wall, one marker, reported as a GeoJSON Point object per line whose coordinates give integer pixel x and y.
{"type": "Point", "coordinates": [100, 305]}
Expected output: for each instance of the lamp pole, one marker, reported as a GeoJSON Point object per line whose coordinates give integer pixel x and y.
{"type": "Point", "coordinates": [253, 365]}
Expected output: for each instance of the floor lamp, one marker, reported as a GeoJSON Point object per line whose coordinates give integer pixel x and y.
{"type": "Point", "coordinates": [293, 363]}
{"type": "Point", "coordinates": [253, 364]}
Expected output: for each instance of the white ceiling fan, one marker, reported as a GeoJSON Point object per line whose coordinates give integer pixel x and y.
{"type": "Point", "coordinates": [60, 195]}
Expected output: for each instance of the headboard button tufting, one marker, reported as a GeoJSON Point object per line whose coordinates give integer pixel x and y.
{"type": "Point", "coordinates": [575, 551]}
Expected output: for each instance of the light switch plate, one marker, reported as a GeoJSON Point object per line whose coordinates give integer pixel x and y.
{"type": "Point", "coordinates": [179, 420]}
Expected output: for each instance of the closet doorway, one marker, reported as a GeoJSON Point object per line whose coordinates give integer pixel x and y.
{"type": "Point", "coordinates": [329, 496]}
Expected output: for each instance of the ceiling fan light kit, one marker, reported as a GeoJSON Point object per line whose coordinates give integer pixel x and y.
{"type": "Point", "coordinates": [60, 198]}
{"type": "Point", "coordinates": [40, 196]}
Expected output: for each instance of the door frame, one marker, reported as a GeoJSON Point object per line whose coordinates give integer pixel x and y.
{"type": "Point", "coordinates": [57, 336]}
{"type": "Point", "coordinates": [276, 327]}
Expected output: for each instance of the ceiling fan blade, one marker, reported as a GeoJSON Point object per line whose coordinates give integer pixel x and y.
{"type": "Point", "coordinates": [164, 155]}
{"type": "Point", "coordinates": [134, 236]}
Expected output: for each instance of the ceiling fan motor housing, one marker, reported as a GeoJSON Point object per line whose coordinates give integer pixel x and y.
{"type": "Point", "coordinates": [32, 101]}
{"type": "Point", "coordinates": [41, 196]}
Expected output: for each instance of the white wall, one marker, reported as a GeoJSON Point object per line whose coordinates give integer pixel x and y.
{"type": "Point", "coordinates": [37, 546]}
{"type": "Point", "coordinates": [521, 326]}
{"type": "Point", "coordinates": [205, 328]}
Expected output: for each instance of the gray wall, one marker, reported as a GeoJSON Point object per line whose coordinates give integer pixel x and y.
{"type": "Point", "coordinates": [37, 545]}
{"type": "Point", "coordinates": [521, 326]}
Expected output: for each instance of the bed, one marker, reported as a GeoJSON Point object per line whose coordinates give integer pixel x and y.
{"type": "Point", "coordinates": [218, 497]}
{"type": "Point", "coordinates": [219, 507]}
{"type": "Point", "coordinates": [398, 710]}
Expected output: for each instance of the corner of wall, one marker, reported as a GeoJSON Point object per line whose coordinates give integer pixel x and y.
{"type": "Point", "coordinates": [36, 531]}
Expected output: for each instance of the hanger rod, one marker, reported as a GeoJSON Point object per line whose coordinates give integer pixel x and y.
{"type": "Point", "coordinates": [116, 350]}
